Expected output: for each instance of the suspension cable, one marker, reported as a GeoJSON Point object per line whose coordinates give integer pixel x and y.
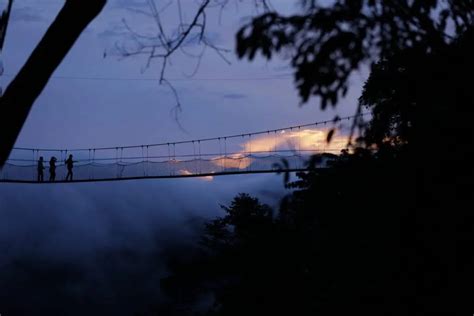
{"type": "Point", "coordinates": [208, 139]}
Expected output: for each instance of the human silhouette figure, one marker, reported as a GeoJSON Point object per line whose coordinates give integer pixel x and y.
{"type": "Point", "coordinates": [52, 169]}
{"type": "Point", "coordinates": [40, 170]}
{"type": "Point", "coordinates": [69, 164]}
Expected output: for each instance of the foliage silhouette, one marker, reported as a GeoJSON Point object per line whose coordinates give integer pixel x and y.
{"type": "Point", "coordinates": [388, 229]}
{"type": "Point", "coordinates": [326, 43]}
{"type": "Point", "coordinates": [422, 97]}
{"type": "Point", "coordinates": [315, 253]}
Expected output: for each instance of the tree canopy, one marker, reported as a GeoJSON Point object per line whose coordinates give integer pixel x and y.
{"type": "Point", "coordinates": [386, 230]}
{"type": "Point", "coordinates": [326, 43]}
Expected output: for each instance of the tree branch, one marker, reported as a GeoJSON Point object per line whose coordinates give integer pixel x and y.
{"type": "Point", "coordinates": [21, 94]}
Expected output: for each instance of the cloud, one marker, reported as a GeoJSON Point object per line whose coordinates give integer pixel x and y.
{"type": "Point", "coordinates": [235, 96]}
{"type": "Point", "coordinates": [26, 14]}
{"type": "Point", "coordinates": [285, 68]}
{"type": "Point", "coordinates": [234, 161]}
{"type": "Point", "coordinates": [114, 33]}
{"type": "Point", "coordinates": [76, 249]}
{"type": "Point", "coordinates": [304, 141]}
{"type": "Point", "coordinates": [185, 172]}
{"type": "Point", "coordinates": [130, 4]}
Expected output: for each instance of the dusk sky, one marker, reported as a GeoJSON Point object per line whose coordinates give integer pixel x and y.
{"type": "Point", "coordinates": [97, 98]}
{"type": "Point", "coordinates": [147, 170]}
{"type": "Point", "coordinates": [94, 101]}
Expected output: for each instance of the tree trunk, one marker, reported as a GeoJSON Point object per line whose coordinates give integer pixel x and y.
{"type": "Point", "coordinates": [22, 92]}
{"type": "Point", "coordinates": [4, 19]}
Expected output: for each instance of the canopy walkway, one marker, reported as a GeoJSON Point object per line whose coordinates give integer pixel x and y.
{"type": "Point", "coordinates": [279, 150]}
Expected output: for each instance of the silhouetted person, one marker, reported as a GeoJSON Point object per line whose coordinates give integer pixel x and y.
{"type": "Point", "coordinates": [69, 164]}
{"type": "Point", "coordinates": [52, 169]}
{"type": "Point", "coordinates": [40, 170]}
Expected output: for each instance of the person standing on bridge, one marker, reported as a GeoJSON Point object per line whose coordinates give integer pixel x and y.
{"type": "Point", "coordinates": [40, 170]}
{"type": "Point", "coordinates": [52, 169]}
{"type": "Point", "coordinates": [69, 164]}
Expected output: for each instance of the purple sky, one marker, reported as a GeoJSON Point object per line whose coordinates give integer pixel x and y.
{"type": "Point", "coordinates": [79, 109]}
{"type": "Point", "coordinates": [93, 113]}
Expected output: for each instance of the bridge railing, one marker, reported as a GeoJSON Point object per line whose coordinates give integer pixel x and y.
{"type": "Point", "coordinates": [254, 152]}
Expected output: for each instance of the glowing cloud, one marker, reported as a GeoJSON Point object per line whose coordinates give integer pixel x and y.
{"type": "Point", "coordinates": [309, 140]}
{"type": "Point", "coordinates": [235, 161]}
{"type": "Point", "coordinates": [295, 140]}
{"type": "Point", "coordinates": [185, 172]}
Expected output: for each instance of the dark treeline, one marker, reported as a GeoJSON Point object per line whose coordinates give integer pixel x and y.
{"type": "Point", "coordinates": [389, 229]}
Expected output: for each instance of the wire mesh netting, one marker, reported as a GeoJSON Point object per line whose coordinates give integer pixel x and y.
{"type": "Point", "coordinates": [276, 150]}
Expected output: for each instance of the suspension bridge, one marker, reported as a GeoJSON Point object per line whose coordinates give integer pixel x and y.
{"type": "Point", "coordinates": [279, 150]}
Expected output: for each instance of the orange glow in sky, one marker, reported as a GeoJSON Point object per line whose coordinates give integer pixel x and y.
{"type": "Point", "coordinates": [185, 172]}
{"type": "Point", "coordinates": [304, 139]}
{"type": "Point", "coordinates": [292, 140]}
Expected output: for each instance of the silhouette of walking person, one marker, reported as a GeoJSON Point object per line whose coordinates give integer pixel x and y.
{"type": "Point", "coordinates": [69, 164]}
{"type": "Point", "coordinates": [52, 169]}
{"type": "Point", "coordinates": [40, 170]}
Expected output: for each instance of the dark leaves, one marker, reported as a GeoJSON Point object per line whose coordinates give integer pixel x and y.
{"type": "Point", "coordinates": [329, 43]}
{"type": "Point", "coordinates": [283, 167]}
{"type": "Point", "coordinates": [330, 135]}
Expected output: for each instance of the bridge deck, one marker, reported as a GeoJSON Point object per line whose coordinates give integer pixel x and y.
{"type": "Point", "coordinates": [261, 152]}
{"type": "Point", "coordinates": [204, 175]}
